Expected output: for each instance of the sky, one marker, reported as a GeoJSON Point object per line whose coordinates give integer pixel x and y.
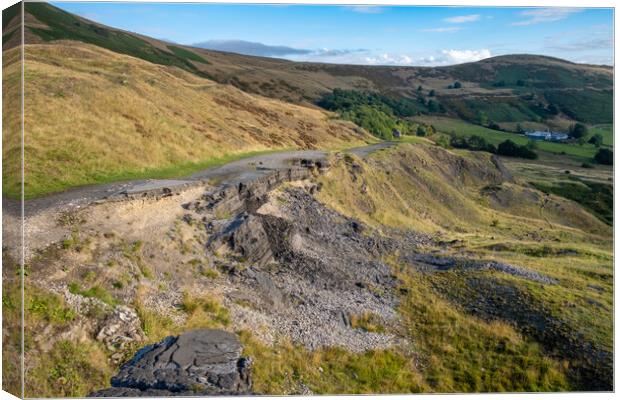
{"type": "Point", "coordinates": [374, 35]}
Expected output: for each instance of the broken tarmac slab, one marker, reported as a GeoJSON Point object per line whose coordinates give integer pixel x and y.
{"type": "Point", "coordinates": [197, 363]}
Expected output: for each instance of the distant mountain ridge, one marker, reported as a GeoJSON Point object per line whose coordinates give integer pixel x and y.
{"type": "Point", "coordinates": [506, 89]}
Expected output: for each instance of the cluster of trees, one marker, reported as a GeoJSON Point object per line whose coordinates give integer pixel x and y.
{"type": "Point", "coordinates": [425, 130]}
{"type": "Point", "coordinates": [474, 142]}
{"type": "Point", "coordinates": [511, 149]}
{"type": "Point", "coordinates": [578, 131]}
{"type": "Point", "coordinates": [377, 113]}
{"type": "Point", "coordinates": [506, 148]}
{"type": "Point", "coordinates": [503, 83]}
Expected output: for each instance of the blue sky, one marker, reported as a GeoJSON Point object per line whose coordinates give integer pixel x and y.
{"type": "Point", "coordinates": [369, 35]}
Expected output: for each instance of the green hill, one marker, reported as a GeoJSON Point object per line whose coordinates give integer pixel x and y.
{"type": "Point", "coordinates": [504, 89]}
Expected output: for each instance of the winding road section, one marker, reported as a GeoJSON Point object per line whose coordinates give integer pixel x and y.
{"type": "Point", "coordinates": [234, 172]}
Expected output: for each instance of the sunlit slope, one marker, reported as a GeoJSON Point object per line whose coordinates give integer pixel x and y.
{"type": "Point", "coordinates": [473, 208]}
{"type": "Point", "coordinates": [93, 115]}
{"type": "Point", "coordinates": [459, 193]}
{"type": "Point", "coordinates": [506, 89]}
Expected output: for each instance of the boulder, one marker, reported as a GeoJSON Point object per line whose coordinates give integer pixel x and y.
{"type": "Point", "coordinates": [201, 362]}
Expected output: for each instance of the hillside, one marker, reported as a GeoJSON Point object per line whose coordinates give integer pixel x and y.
{"type": "Point", "coordinates": [169, 122]}
{"type": "Point", "coordinates": [505, 89]}
{"type": "Point", "coordinates": [411, 269]}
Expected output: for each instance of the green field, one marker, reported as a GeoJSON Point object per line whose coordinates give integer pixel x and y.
{"type": "Point", "coordinates": [607, 130]}
{"type": "Point", "coordinates": [462, 128]}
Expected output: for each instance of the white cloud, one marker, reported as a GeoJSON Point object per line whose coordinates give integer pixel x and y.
{"type": "Point", "coordinates": [366, 9]}
{"type": "Point", "coordinates": [451, 57]}
{"type": "Point", "coordinates": [463, 56]}
{"type": "Point", "coordinates": [443, 29]}
{"type": "Point", "coordinates": [444, 57]}
{"type": "Point", "coordinates": [461, 19]}
{"type": "Point", "coordinates": [542, 15]}
{"type": "Point", "coordinates": [389, 59]}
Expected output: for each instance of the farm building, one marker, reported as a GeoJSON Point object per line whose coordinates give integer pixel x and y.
{"type": "Point", "coordinates": [546, 135]}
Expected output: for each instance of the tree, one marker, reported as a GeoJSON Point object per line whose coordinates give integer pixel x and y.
{"type": "Point", "coordinates": [520, 129]}
{"type": "Point", "coordinates": [604, 156]}
{"type": "Point", "coordinates": [443, 141]}
{"type": "Point", "coordinates": [553, 109]}
{"type": "Point", "coordinates": [578, 130]}
{"type": "Point", "coordinates": [420, 131]}
{"type": "Point", "coordinates": [511, 149]}
{"type": "Point", "coordinates": [596, 140]}
{"type": "Point", "coordinates": [420, 88]}
{"type": "Point", "coordinates": [457, 85]}
{"type": "Point", "coordinates": [507, 148]}
{"type": "Point", "coordinates": [481, 118]}
{"type": "Point", "coordinates": [494, 126]}
{"type": "Point", "coordinates": [431, 93]}
{"type": "Point", "coordinates": [532, 144]}
{"type": "Point", "coordinates": [520, 82]}
{"type": "Point", "coordinates": [433, 106]}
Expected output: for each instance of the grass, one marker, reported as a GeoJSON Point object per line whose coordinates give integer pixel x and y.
{"type": "Point", "coordinates": [366, 321]}
{"type": "Point", "coordinates": [596, 197]}
{"type": "Point", "coordinates": [462, 128]}
{"type": "Point", "coordinates": [458, 350]}
{"type": "Point", "coordinates": [48, 307]}
{"type": "Point", "coordinates": [199, 312]}
{"type": "Point", "coordinates": [96, 291]}
{"type": "Point", "coordinates": [68, 370]}
{"type": "Point", "coordinates": [63, 25]}
{"type": "Point", "coordinates": [171, 123]}
{"type": "Point", "coordinates": [606, 130]}
{"type": "Point", "coordinates": [284, 367]}
{"type": "Point", "coordinates": [187, 54]}
{"type": "Point", "coordinates": [465, 354]}
{"type": "Point", "coordinates": [9, 13]}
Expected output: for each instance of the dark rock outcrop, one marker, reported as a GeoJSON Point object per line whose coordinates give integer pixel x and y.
{"type": "Point", "coordinates": [197, 363]}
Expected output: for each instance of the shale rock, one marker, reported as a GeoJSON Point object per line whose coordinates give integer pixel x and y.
{"type": "Point", "coordinates": [120, 329]}
{"type": "Point", "coordinates": [201, 362]}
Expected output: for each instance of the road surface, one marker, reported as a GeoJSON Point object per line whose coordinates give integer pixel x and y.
{"type": "Point", "coordinates": [234, 172]}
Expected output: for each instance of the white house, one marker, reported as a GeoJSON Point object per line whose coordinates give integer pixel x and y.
{"type": "Point", "coordinates": [547, 135]}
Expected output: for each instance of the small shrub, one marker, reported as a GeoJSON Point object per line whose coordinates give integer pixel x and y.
{"type": "Point", "coordinates": [604, 156]}
{"type": "Point", "coordinates": [49, 307]}
{"type": "Point", "coordinates": [366, 321]}
{"type": "Point", "coordinates": [210, 273]}
{"type": "Point", "coordinates": [95, 291]}
{"type": "Point", "coordinates": [89, 276]}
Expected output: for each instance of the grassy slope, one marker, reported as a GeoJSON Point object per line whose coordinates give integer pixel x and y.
{"type": "Point", "coordinates": [508, 226]}
{"type": "Point", "coordinates": [581, 91]}
{"type": "Point", "coordinates": [428, 189]}
{"type": "Point", "coordinates": [169, 122]}
{"type": "Point", "coordinates": [61, 25]}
